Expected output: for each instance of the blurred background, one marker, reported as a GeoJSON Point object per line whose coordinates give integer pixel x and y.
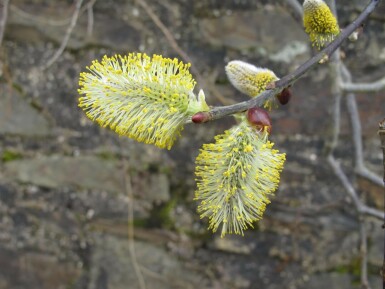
{"type": "Point", "coordinates": [63, 199]}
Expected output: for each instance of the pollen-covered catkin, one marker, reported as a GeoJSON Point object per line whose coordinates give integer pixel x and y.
{"type": "Point", "coordinates": [319, 22]}
{"type": "Point", "coordinates": [235, 176]}
{"type": "Point", "coordinates": [250, 79]}
{"type": "Point", "coordinates": [145, 98]}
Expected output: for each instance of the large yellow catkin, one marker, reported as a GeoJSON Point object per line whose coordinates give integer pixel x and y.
{"type": "Point", "coordinates": [235, 176]}
{"type": "Point", "coordinates": [145, 98]}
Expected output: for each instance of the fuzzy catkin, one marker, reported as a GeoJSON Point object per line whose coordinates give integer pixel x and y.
{"type": "Point", "coordinates": [319, 22]}
{"type": "Point", "coordinates": [145, 98]}
{"type": "Point", "coordinates": [235, 176]}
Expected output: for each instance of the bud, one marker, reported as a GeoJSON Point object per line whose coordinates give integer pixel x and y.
{"type": "Point", "coordinates": [145, 98]}
{"type": "Point", "coordinates": [319, 22]}
{"type": "Point", "coordinates": [284, 96]}
{"type": "Point", "coordinates": [235, 176]}
{"type": "Point", "coordinates": [354, 36]}
{"type": "Point", "coordinates": [251, 80]}
{"type": "Point", "coordinates": [259, 118]}
{"type": "Point", "coordinates": [200, 117]}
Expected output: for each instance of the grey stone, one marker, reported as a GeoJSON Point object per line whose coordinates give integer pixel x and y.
{"type": "Point", "coordinates": [246, 30]}
{"type": "Point", "coordinates": [57, 171]}
{"type": "Point", "coordinates": [111, 262]}
{"type": "Point", "coordinates": [289, 52]}
{"type": "Point", "coordinates": [158, 188]}
{"type": "Point", "coordinates": [118, 34]}
{"type": "Point", "coordinates": [233, 244]}
{"type": "Point", "coordinates": [20, 269]}
{"type": "Point", "coordinates": [18, 117]}
{"type": "Point", "coordinates": [87, 172]}
{"type": "Point", "coordinates": [331, 281]}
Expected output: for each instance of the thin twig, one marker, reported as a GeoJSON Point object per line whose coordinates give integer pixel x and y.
{"type": "Point", "coordinates": [360, 207]}
{"type": "Point", "coordinates": [167, 34]}
{"type": "Point", "coordinates": [219, 112]}
{"type": "Point", "coordinates": [3, 20]}
{"type": "Point", "coordinates": [364, 256]}
{"type": "Point", "coordinates": [185, 57]}
{"type": "Point", "coordinates": [296, 9]}
{"type": "Point", "coordinates": [337, 95]}
{"type": "Point", "coordinates": [364, 87]}
{"type": "Point", "coordinates": [90, 16]}
{"type": "Point", "coordinates": [381, 132]}
{"type": "Point", "coordinates": [340, 75]}
{"type": "Point", "coordinates": [43, 20]}
{"type": "Point", "coordinates": [130, 218]}
{"type": "Point", "coordinates": [369, 175]}
{"type": "Point", "coordinates": [351, 103]}
{"type": "Point", "coordinates": [328, 50]}
{"type": "Point", "coordinates": [66, 36]}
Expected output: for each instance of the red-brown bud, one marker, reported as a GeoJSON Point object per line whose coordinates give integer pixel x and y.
{"type": "Point", "coordinates": [200, 117]}
{"type": "Point", "coordinates": [284, 96]}
{"type": "Point", "coordinates": [259, 118]}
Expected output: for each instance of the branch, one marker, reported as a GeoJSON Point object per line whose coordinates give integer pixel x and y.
{"type": "Point", "coordinates": [66, 36]}
{"type": "Point", "coordinates": [296, 9]}
{"type": "Point", "coordinates": [381, 133]}
{"type": "Point", "coordinates": [3, 19]}
{"type": "Point", "coordinates": [351, 103]}
{"type": "Point", "coordinates": [364, 87]}
{"type": "Point", "coordinates": [90, 16]}
{"type": "Point", "coordinates": [360, 207]}
{"type": "Point", "coordinates": [174, 44]}
{"type": "Point", "coordinates": [364, 256]}
{"type": "Point", "coordinates": [43, 20]}
{"type": "Point", "coordinates": [219, 112]}
{"type": "Point", "coordinates": [364, 172]}
{"type": "Point", "coordinates": [336, 105]}
{"type": "Point", "coordinates": [341, 75]}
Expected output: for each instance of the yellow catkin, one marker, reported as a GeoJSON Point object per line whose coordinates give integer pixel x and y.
{"type": "Point", "coordinates": [235, 175]}
{"type": "Point", "coordinates": [319, 22]}
{"type": "Point", "coordinates": [251, 80]}
{"type": "Point", "coordinates": [145, 98]}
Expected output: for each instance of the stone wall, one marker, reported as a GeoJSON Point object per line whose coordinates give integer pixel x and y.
{"type": "Point", "coordinates": [63, 206]}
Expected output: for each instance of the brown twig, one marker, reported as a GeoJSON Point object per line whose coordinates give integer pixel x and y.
{"type": "Point", "coordinates": [341, 75]}
{"type": "Point", "coordinates": [219, 112]}
{"type": "Point", "coordinates": [167, 34]}
{"type": "Point", "coordinates": [44, 20]}
{"type": "Point", "coordinates": [185, 57]}
{"type": "Point", "coordinates": [3, 20]}
{"type": "Point", "coordinates": [364, 256]}
{"type": "Point", "coordinates": [66, 37]}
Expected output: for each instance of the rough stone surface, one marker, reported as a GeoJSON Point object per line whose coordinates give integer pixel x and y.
{"type": "Point", "coordinates": [58, 171]}
{"type": "Point", "coordinates": [107, 175]}
{"type": "Point", "coordinates": [63, 199]}
{"type": "Point", "coordinates": [111, 265]}
{"type": "Point", "coordinates": [18, 117]}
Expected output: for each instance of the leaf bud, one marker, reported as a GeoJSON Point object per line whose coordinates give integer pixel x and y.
{"type": "Point", "coordinates": [259, 118]}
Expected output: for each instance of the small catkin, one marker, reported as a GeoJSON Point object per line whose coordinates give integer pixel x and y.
{"type": "Point", "coordinates": [319, 22]}
{"type": "Point", "coordinates": [251, 80]}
